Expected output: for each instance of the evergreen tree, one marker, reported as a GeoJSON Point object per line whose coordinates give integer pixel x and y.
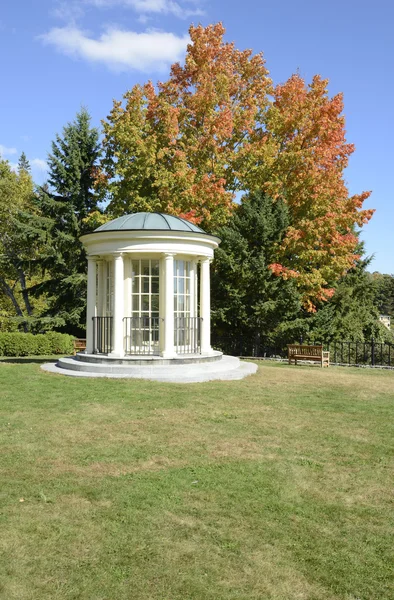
{"type": "Point", "coordinates": [384, 293]}
{"type": "Point", "coordinates": [23, 164]}
{"type": "Point", "coordinates": [251, 306]}
{"type": "Point", "coordinates": [65, 205]}
{"type": "Point", "coordinates": [72, 166]}
{"type": "Point", "coordinates": [352, 313]}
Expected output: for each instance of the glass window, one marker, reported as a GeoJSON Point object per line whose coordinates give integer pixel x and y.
{"type": "Point", "coordinates": [145, 303]}
{"type": "Point", "coordinates": [155, 304]}
{"type": "Point", "coordinates": [109, 292]}
{"type": "Point", "coordinates": [145, 285]}
{"type": "Point", "coordinates": [145, 267]}
{"type": "Point", "coordinates": [181, 288]}
{"type": "Point", "coordinates": [154, 268]}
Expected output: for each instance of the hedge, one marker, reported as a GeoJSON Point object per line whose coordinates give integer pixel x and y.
{"type": "Point", "coordinates": [27, 344]}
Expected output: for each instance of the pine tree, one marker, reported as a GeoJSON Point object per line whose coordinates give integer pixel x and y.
{"type": "Point", "coordinates": [23, 164]}
{"type": "Point", "coordinates": [250, 305]}
{"type": "Point", "coordinates": [64, 204]}
{"type": "Point", "coordinates": [352, 314]}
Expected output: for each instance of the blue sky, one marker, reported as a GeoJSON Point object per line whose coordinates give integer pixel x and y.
{"type": "Point", "coordinates": [57, 56]}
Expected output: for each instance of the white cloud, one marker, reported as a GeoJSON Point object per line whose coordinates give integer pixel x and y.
{"type": "Point", "coordinates": [118, 49]}
{"type": "Point", "coordinates": [4, 151]}
{"type": "Point", "coordinates": [152, 6]}
{"type": "Point", "coordinates": [39, 164]}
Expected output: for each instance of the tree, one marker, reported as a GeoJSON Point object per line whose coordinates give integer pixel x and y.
{"type": "Point", "coordinates": [23, 164]}
{"type": "Point", "coordinates": [217, 127]}
{"type": "Point", "coordinates": [64, 206]}
{"type": "Point", "coordinates": [384, 293]}
{"type": "Point", "coordinates": [352, 313]}
{"type": "Point", "coordinates": [307, 173]}
{"type": "Point", "coordinates": [250, 305]}
{"type": "Point", "coordinates": [181, 148]}
{"type": "Point", "coordinates": [17, 251]}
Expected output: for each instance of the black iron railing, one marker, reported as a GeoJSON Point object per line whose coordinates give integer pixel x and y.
{"type": "Point", "coordinates": [187, 335]}
{"type": "Point", "coordinates": [141, 335]}
{"type": "Point", "coordinates": [342, 352]}
{"type": "Point", "coordinates": [102, 335]}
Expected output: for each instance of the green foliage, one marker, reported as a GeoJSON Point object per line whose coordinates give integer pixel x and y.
{"type": "Point", "coordinates": [252, 308]}
{"type": "Point", "coordinates": [353, 311]}
{"type": "Point", "coordinates": [64, 211]}
{"type": "Point", "coordinates": [18, 249]}
{"type": "Point", "coordinates": [72, 168]}
{"type": "Point", "coordinates": [249, 303]}
{"type": "Point", "coordinates": [384, 293]}
{"type": "Point", "coordinates": [23, 164]}
{"type": "Point", "coordinates": [27, 344]}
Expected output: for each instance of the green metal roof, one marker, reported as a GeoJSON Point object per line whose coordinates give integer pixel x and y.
{"type": "Point", "coordinates": [149, 221]}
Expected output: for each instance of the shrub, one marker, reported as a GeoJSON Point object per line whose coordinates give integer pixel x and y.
{"type": "Point", "coordinates": [27, 344]}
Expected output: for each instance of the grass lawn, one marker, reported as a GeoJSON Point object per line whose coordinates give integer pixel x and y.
{"type": "Point", "coordinates": [276, 487]}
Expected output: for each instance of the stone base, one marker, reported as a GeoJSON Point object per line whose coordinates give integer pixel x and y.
{"type": "Point", "coordinates": [143, 360]}
{"type": "Point", "coordinates": [180, 370]}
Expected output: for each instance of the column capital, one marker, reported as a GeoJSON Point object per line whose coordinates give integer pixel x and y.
{"type": "Point", "coordinates": [168, 255]}
{"type": "Point", "coordinates": [117, 254]}
{"type": "Point", "coordinates": [92, 258]}
{"type": "Point", "coordinates": [205, 259]}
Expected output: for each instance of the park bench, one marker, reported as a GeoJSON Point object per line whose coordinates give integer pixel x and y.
{"type": "Point", "coordinates": [305, 352]}
{"type": "Point", "coordinates": [79, 345]}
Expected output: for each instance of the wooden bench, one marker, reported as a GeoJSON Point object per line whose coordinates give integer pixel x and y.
{"type": "Point", "coordinates": [79, 345]}
{"type": "Point", "coordinates": [304, 352]}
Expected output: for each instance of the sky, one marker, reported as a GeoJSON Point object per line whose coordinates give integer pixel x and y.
{"type": "Point", "coordinates": [58, 56]}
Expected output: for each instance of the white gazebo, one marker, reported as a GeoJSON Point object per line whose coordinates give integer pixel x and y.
{"type": "Point", "coordinates": [148, 304]}
{"type": "Point", "coordinates": [149, 287]}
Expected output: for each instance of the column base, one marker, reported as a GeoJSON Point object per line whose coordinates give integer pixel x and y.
{"type": "Point", "coordinates": [116, 354]}
{"type": "Point", "coordinates": [168, 354]}
{"type": "Point", "coordinates": [207, 350]}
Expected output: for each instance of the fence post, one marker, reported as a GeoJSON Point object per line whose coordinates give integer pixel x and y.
{"type": "Point", "coordinates": [372, 352]}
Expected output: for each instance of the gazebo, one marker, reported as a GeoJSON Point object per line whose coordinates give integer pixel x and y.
{"type": "Point", "coordinates": [149, 287]}
{"type": "Point", "coordinates": [148, 304]}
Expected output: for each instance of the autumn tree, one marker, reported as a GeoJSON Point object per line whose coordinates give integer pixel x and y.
{"type": "Point", "coordinates": [181, 147]}
{"type": "Point", "coordinates": [217, 127]}
{"type": "Point", "coordinates": [307, 171]}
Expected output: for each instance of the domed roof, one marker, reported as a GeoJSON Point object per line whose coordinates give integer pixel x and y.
{"type": "Point", "coordinates": [151, 222]}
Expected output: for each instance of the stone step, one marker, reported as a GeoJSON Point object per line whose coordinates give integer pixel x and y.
{"type": "Point", "coordinates": [229, 367]}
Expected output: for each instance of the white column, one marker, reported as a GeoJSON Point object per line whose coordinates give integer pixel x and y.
{"type": "Point", "coordinates": [101, 288]}
{"type": "Point", "coordinates": [205, 306]}
{"type": "Point", "coordinates": [90, 303]}
{"type": "Point", "coordinates": [193, 289]}
{"type": "Point", "coordinates": [127, 286]}
{"type": "Point", "coordinates": [118, 347]}
{"type": "Point", "coordinates": [168, 297]}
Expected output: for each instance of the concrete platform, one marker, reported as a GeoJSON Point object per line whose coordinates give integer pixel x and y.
{"type": "Point", "coordinates": [225, 368]}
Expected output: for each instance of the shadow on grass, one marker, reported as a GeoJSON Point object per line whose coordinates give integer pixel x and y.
{"type": "Point", "coordinates": [24, 360]}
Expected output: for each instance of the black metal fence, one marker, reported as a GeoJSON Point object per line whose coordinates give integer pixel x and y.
{"type": "Point", "coordinates": [102, 335]}
{"type": "Point", "coordinates": [368, 353]}
{"type": "Point", "coordinates": [187, 335]}
{"type": "Point", "coordinates": [141, 335]}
